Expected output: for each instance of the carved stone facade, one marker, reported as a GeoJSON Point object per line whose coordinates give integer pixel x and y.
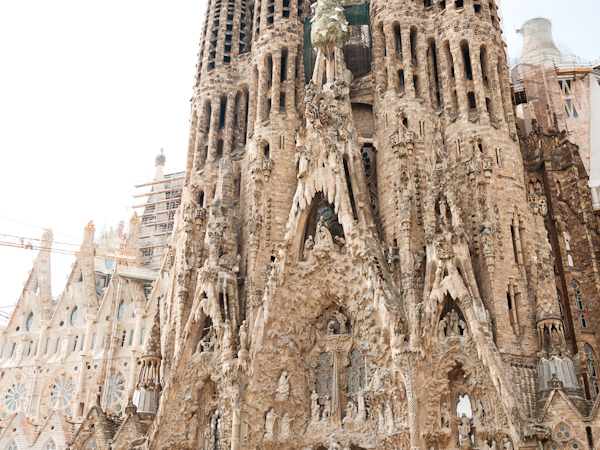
{"type": "Point", "coordinates": [360, 261]}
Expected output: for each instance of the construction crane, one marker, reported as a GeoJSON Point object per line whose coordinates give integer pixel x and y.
{"type": "Point", "coordinates": [117, 254]}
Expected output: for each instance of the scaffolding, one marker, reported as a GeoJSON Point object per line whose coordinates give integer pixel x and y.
{"type": "Point", "coordinates": [157, 216]}
{"type": "Point", "coordinates": [543, 93]}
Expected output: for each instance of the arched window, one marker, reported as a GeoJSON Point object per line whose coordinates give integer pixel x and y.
{"type": "Point", "coordinates": [121, 311]}
{"type": "Point", "coordinates": [50, 445]}
{"type": "Point", "coordinates": [590, 362]}
{"type": "Point", "coordinates": [116, 387]}
{"type": "Point", "coordinates": [355, 373]}
{"type": "Point", "coordinates": [29, 321]}
{"type": "Point", "coordinates": [12, 446]}
{"type": "Point", "coordinates": [324, 374]}
{"type": "Point", "coordinates": [582, 321]}
{"type": "Point", "coordinates": [74, 315]}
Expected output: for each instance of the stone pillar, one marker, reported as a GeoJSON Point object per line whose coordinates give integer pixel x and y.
{"type": "Point", "coordinates": [213, 129]}
{"type": "Point", "coordinates": [228, 134]}
{"type": "Point", "coordinates": [254, 102]}
{"type": "Point", "coordinates": [461, 80]}
{"type": "Point", "coordinates": [290, 82]}
{"type": "Point", "coordinates": [407, 63]}
{"type": "Point", "coordinates": [388, 31]}
{"type": "Point", "coordinates": [478, 86]}
{"type": "Point", "coordinates": [276, 79]}
{"type": "Point", "coordinates": [262, 94]}
{"type": "Point", "coordinates": [496, 90]}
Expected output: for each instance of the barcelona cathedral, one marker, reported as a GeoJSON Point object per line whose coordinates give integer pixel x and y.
{"type": "Point", "coordinates": [368, 254]}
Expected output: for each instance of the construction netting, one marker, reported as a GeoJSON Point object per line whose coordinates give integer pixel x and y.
{"type": "Point", "coordinates": [543, 92]}
{"type": "Point", "coordinates": [357, 46]}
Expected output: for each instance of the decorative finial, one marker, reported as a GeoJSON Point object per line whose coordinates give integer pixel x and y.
{"type": "Point", "coordinates": [160, 158]}
{"type": "Point", "coordinates": [329, 26]}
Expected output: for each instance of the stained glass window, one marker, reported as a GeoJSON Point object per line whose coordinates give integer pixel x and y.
{"type": "Point", "coordinates": [355, 373]}
{"type": "Point", "coordinates": [62, 393]}
{"type": "Point", "coordinates": [16, 395]}
{"type": "Point", "coordinates": [116, 386]}
{"type": "Point", "coordinates": [91, 444]}
{"type": "Point", "coordinates": [12, 446]}
{"type": "Point", "coordinates": [324, 374]}
{"type": "Point", "coordinates": [51, 445]}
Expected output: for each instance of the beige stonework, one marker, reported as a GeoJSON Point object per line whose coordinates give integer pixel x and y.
{"type": "Point", "coordinates": [370, 261]}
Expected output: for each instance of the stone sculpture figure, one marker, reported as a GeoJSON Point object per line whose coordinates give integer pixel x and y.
{"type": "Point", "coordinates": [209, 437]}
{"type": "Point", "coordinates": [270, 423]}
{"type": "Point", "coordinates": [464, 429]}
{"type": "Point", "coordinates": [283, 387]}
{"type": "Point", "coordinates": [389, 417]}
{"type": "Point", "coordinates": [64, 348]}
{"type": "Point", "coordinates": [442, 329]}
{"type": "Point", "coordinates": [486, 445]}
{"type": "Point", "coordinates": [193, 428]}
{"type": "Point", "coordinates": [446, 418]}
{"type": "Point", "coordinates": [362, 411]}
{"type": "Point", "coordinates": [315, 409]}
{"type": "Point", "coordinates": [507, 444]}
{"type": "Point", "coordinates": [19, 350]}
{"type": "Point", "coordinates": [327, 408]}
{"type": "Point", "coordinates": [381, 418]}
{"type": "Point", "coordinates": [350, 412]}
{"type": "Point", "coordinates": [286, 425]}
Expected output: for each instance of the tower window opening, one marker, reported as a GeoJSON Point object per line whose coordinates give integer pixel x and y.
{"type": "Point", "coordinates": [459, 3]}
{"type": "Point", "coordinates": [282, 101]}
{"type": "Point", "coordinates": [472, 102]}
{"type": "Point", "coordinates": [223, 113]}
{"type": "Point", "coordinates": [427, 3]}
{"type": "Point", "coordinates": [443, 4]}
{"type": "Point", "coordinates": [477, 8]}
{"type": "Point", "coordinates": [267, 151]}
{"type": "Point", "coordinates": [219, 150]}
{"type": "Point", "coordinates": [582, 321]}
{"type": "Point", "coordinates": [417, 86]}
{"type": "Point", "coordinates": [413, 46]}
{"type": "Point", "coordinates": [284, 64]}
{"type": "Point", "coordinates": [398, 39]}
{"type": "Point", "coordinates": [401, 80]}
{"type": "Point", "coordinates": [229, 27]}
{"type": "Point", "coordinates": [464, 46]}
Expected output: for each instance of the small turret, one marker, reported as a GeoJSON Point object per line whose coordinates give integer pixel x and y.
{"type": "Point", "coordinates": [147, 392]}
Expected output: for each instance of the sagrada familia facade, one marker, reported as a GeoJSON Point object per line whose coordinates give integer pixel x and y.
{"type": "Point", "coordinates": [366, 255]}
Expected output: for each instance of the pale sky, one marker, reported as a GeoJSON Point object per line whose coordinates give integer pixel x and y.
{"type": "Point", "coordinates": [90, 91]}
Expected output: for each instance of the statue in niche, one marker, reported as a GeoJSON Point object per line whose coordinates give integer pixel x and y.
{"type": "Point", "coordinates": [350, 412]}
{"type": "Point", "coordinates": [327, 408]}
{"type": "Point", "coordinates": [308, 246]}
{"type": "Point", "coordinates": [455, 325]}
{"type": "Point", "coordinates": [19, 350]}
{"type": "Point", "coordinates": [464, 429]}
{"type": "Point", "coordinates": [381, 418]}
{"type": "Point", "coordinates": [270, 423]}
{"type": "Point", "coordinates": [478, 415]}
{"type": "Point", "coordinates": [376, 384]}
{"type": "Point", "coordinates": [442, 329]}
{"type": "Point", "coordinates": [362, 410]}
{"type": "Point", "coordinates": [315, 409]}
{"type": "Point", "coordinates": [543, 206]}
{"type": "Point", "coordinates": [209, 435]}
{"type": "Point", "coordinates": [389, 417]}
{"type": "Point", "coordinates": [507, 444]}
{"type": "Point", "coordinates": [446, 418]}
{"type": "Point", "coordinates": [193, 428]}
{"type": "Point", "coordinates": [487, 234]}
{"type": "Point", "coordinates": [286, 426]}
{"type": "Point", "coordinates": [227, 338]}
{"type": "Point", "coordinates": [64, 348]}
{"type": "Point", "coordinates": [283, 387]}
{"type": "Point", "coordinates": [331, 325]}
{"type": "Point", "coordinates": [207, 343]}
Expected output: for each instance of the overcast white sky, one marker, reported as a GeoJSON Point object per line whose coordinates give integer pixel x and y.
{"type": "Point", "coordinates": [90, 91]}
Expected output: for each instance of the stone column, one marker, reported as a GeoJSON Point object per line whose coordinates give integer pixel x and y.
{"type": "Point", "coordinates": [478, 86]}
{"type": "Point", "coordinates": [262, 93]}
{"type": "Point", "coordinates": [495, 90]}
{"type": "Point", "coordinates": [407, 63]}
{"type": "Point", "coordinates": [228, 135]}
{"type": "Point", "coordinates": [213, 129]}
{"type": "Point", "coordinates": [276, 78]}
{"type": "Point", "coordinates": [461, 80]}
{"type": "Point", "coordinates": [290, 82]}
{"type": "Point", "coordinates": [254, 102]}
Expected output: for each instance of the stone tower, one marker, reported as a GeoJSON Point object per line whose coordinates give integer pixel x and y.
{"type": "Point", "coordinates": [356, 262]}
